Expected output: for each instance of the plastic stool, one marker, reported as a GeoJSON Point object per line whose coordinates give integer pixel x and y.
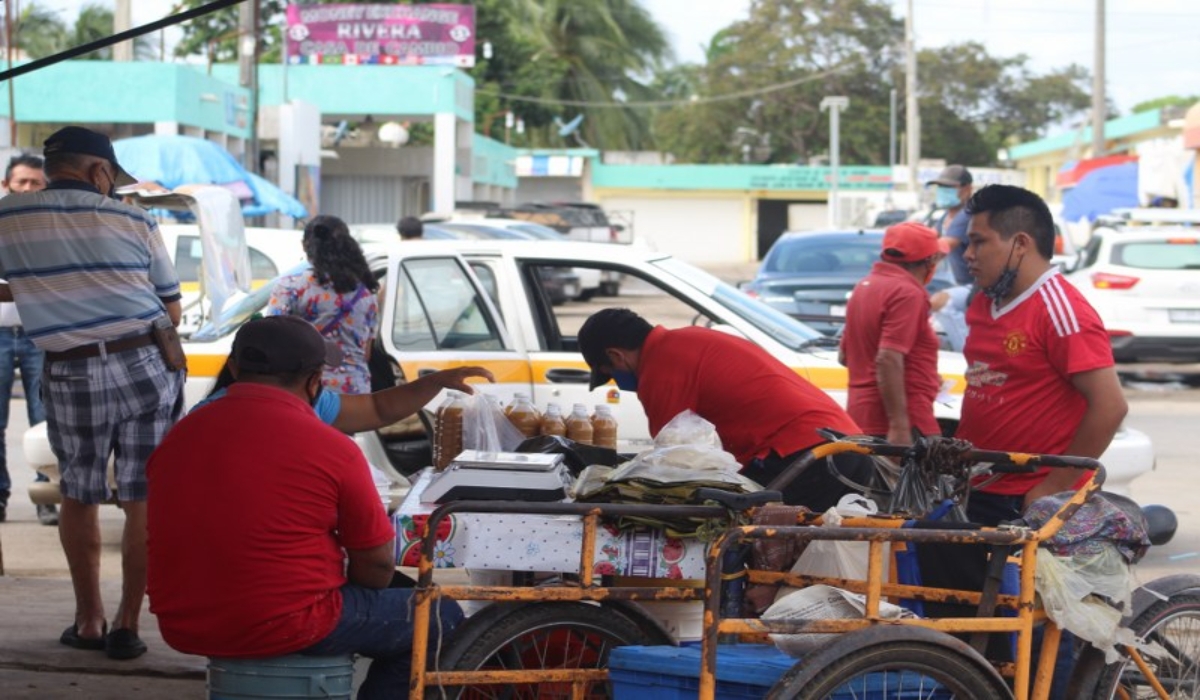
{"type": "Point", "coordinates": [292, 676]}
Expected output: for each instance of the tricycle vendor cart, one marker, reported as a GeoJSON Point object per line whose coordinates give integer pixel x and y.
{"type": "Point", "coordinates": [553, 638]}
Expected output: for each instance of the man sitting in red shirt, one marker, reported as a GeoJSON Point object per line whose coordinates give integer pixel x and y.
{"type": "Point", "coordinates": [261, 547]}
{"type": "Point", "coordinates": [765, 413]}
{"type": "Point", "coordinates": [888, 346]}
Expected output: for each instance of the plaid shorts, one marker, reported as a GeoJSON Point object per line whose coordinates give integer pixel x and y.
{"type": "Point", "coordinates": [122, 405]}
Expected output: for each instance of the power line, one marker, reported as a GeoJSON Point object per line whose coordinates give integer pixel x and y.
{"type": "Point", "coordinates": [669, 103]}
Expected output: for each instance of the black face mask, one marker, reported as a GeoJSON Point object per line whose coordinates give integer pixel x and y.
{"type": "Point", "coordinates": [1002, 287]}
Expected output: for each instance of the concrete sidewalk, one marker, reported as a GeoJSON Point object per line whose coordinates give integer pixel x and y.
{"type": "Point", "coordinates": [33, 664]}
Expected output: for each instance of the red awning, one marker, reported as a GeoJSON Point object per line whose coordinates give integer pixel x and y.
{"type": "Point", "coordinates": [1069, 177]}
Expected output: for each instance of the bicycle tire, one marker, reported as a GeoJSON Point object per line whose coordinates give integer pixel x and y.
{"type": "Point", "coordinates": [1175, 624]}
{"type": "Point", "coordinates": [537, 635]}
{"type": "Point", "coordinates": [892, 669]}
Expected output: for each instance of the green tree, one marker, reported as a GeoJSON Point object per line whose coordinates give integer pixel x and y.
{"type": "Point", "coordinates": [39, 32]}
{"type": "Point", "coordinates": [1166, 101]}
{"type": "Point", "coordinates": [215, 34]}
{"type": "Point", "coordinates": [972, 103]}
{"type": "Point", "coordinates": [96, 22]}
{"type": "Point", "coordinates": [784, 59]}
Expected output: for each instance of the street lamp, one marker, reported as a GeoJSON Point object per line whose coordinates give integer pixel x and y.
{"type": "Point", "coordinates": [835, 105]}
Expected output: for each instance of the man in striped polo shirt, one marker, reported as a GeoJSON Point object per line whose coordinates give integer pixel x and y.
{"type": "Point", "coordinates": [89, 275]}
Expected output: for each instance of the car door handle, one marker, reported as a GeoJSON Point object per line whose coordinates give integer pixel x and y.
{"type": "Point", "coordinates": [426, 372]}
{"type": "Point", "coordinates": [568, 376]}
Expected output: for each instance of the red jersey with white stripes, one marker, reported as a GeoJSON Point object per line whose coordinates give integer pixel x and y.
{"type": "Point", "coordinates": [1020, 359]}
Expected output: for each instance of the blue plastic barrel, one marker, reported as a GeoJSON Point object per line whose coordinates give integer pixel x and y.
{"type": "Point", "coordinates": [293, 676]}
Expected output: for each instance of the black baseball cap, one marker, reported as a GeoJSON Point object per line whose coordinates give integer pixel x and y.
{"type": "Point", "coordinates": [81, 141]}
{"type": "Point", "coordinates": [610, 328]}
{"type": "Point", "coordinates": [952, 176]}
{"type": "Point", "coordinates": [283, 345]}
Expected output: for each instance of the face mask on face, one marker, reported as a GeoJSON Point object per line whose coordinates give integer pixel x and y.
{"type": "Point", "coordinates": [626, 381]}
{"type": "Point", "coordinates": [946, 197]}
{"type": "Point", "coordinates": [999, 290]}
{"type": "Point", "coordinates": [312, 400]}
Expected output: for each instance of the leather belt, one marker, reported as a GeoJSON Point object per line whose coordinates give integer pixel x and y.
{"type": "Point", "coordinates": [85, 351]}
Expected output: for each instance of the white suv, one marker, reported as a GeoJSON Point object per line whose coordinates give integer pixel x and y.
{"type": "Point", "coordinates": [1145, 283]}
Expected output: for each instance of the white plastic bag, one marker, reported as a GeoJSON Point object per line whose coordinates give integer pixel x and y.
{"type": "Point", "coordinates": [833, 558]}
{"type": "Point", "coordinates": [688, 428]}
{"type": "Point", "coordinates": [1075, 592]}
{"type": "Point", "coordinates": [821, 603]}
{"type": "Point", "coordinates": [486, 428]}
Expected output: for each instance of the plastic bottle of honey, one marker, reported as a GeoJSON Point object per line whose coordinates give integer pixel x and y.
{"type": "Point", "coordinates": [524, 416]}
{"type": "Point", "coordinates": [579, 426]}
{"type": "Point", "coordinates": [448, 439]}
{"type": "Point", "coordinates": [552, 421]}
{"type": "Point", "coordinates": [604, 428]}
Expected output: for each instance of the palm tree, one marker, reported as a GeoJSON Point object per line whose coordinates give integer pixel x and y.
{"type": "Point", "coordinates": [39, 32]}
{"type": "Point", "coordinates": [96, 22]}
{"type": "Point", "coordinates": [604, 53]}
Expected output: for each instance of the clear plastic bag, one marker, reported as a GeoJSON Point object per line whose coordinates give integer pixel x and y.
{"type": "Point", "coordinates": [821, 602]}
{"type": "Point", "coordinates": [486, 428]}
{"type": "Point", "coordinates": [1086, 595]}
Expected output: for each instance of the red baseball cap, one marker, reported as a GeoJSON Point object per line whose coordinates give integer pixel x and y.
{"type": "Point", "coordinates": [912, 242]}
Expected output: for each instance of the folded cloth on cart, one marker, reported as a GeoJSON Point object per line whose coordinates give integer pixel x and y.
{"type": "Point", "coordinates": [1083, 576]}
{"type": "Point", "coordinates": [686, 456]}
{"type": "Point", "coordinates": [1103, 518]}
{"type": "Point", "coordinates": [523, 542]}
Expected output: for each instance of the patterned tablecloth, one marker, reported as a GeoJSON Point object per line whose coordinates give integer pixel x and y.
{"type": "Point", "coordinates": [518, 542]}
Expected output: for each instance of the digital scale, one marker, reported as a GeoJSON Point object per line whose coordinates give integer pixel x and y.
{"type": "Point", "coordinates": [501, 476]}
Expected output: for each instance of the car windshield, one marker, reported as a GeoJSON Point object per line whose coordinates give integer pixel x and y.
{"type": "Point", "coordinates": [241, 311]}
{"type": "Point", "coordinates": [1180, 253]}
{"type": "Point", "coordinates": [850, 255]}
{"type": "Point", "coordinates": [783, 328]}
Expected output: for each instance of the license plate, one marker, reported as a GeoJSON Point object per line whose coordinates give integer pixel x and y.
{"type": "Point", "coordinates": [1184, 315]}
{"type": "Point", "coordinates": [837, 310]}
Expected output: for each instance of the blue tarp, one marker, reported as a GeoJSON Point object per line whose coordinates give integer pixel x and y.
{"type": "Point", "coordinates": [1101, 191]}
{"type": "Point", "coordinates": [172, 161]}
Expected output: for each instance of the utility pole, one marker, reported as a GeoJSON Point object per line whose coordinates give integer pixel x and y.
{"type": "Point", "coordinates": [1098, 101]}
{"type": "Point", "coordinates": [835, 105]}
{"type": "Point", "coordinates": [248, 52]}
{"type": "Point", "coordinates": [892, 130]}
{"type": "Point", "coordinates": [12, 101]}
{"type": "Point", "coordinates": [911, 115]}
{"type": "Point", "coordinates": [123, 20]}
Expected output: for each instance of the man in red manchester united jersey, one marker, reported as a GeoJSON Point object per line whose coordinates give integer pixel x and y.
{"type": "Point", "coordinates": [1040, 375]}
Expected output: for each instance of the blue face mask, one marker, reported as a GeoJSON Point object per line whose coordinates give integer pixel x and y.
{"type": "Point", "coordinates": [946, 198]}
{"type": "Point", "coordinates": [626, 381]}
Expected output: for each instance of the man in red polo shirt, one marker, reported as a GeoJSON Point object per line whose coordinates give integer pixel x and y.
{"type": "Point", "coordinates": [765, 413]}
{"type": "Point", "coordinates": [888, 345]}
{"type": "Point", "coordinates": [1040, 374]}
{"type": "Point", "coordinates": [262, 547]}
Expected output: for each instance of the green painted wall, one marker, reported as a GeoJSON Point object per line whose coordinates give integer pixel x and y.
{"type": "Point", "coordinates": [1113, 129]}
{"type": "Point", "coordinates": [91, 92]}
{"type": "Point", "coordinates": [385, 90]}
{"type": "Point", "coordinates": [492, 162]}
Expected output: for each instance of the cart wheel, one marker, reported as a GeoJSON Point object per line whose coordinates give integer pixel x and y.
{"type": "Point", "coordinates": [537, 636]}
{"type": "Point", "coordinates": [1173, 624]}
{"type": "Point", "coordinates": [891, 663]}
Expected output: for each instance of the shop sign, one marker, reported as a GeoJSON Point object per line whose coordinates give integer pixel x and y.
{"type": "Point", "coordinates": [441, 35]}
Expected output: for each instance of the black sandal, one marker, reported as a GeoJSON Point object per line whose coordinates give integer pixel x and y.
{"type": "Point", "coordinates": [71, 638]}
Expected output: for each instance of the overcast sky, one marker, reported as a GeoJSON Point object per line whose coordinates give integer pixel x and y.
{"type": "Point", "coordinates": [1151, 49]}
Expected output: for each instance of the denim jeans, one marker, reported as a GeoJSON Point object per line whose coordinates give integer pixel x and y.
{"type": "Point", "coordinates": [17, 350]}
{"type": "Point", "coordinates": [378, 624]}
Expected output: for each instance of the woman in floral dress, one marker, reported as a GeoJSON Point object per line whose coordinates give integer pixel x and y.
{"type": "Point", "coordinates": [337, 295]}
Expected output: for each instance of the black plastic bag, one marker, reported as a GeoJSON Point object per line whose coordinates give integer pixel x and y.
{"type": "Point", "coordinates": [577, 456]}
